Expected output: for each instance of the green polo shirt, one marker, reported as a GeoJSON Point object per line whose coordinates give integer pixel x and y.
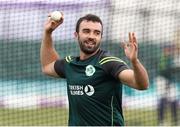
{"type": "Point", "coordinates": [94, 90]}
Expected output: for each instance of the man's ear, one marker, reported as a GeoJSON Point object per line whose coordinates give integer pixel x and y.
{"type": "Point", "coordinates": [75, 34]}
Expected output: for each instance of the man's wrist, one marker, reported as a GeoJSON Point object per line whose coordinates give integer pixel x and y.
{"type": "Point", "coordinates": [48, 32]}
{"type": "Point", "coordinates": [135, 62]}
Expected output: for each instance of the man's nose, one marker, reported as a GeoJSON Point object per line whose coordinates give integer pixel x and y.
{"type": "Point", "coordinates": [91, 35]}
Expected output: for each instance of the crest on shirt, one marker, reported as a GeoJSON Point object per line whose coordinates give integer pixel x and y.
{"type": "Point", "coordinates": [90, 70]}
{"type": "Point", "coordinates": [89, 90]}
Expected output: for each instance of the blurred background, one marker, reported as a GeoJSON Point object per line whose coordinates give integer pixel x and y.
{"type": "Point", "coordinates": [27, 97]}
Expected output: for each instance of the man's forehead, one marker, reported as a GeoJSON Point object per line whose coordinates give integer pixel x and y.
{"type": "Point", "coordinates": [91, 25]}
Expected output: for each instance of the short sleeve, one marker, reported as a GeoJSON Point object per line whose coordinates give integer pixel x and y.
{"type": "Point", "coordinates": [60, 68]}
{"type": "Point", "coordinates": [114, 67]}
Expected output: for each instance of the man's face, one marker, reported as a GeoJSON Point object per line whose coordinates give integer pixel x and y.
{"type": "Point", "coordinates": [89, 36]}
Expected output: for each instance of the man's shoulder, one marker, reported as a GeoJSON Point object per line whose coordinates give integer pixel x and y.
{"type": "Point", "coordinates": [107, 57]}
{"type": "Point", "coordinates": [69, 58]}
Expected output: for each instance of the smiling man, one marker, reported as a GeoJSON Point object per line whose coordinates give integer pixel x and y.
{"type": "Point", "coordinates": [94, 78]}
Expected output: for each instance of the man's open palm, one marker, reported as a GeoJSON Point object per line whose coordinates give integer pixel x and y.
{"type": "Point", "coordinates": [131, 48]}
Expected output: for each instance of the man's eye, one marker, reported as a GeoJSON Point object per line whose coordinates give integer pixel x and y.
{"type": "Point", "coordinates": [86, 31]}
{"type": "Point", "coordinates": [97, 33]}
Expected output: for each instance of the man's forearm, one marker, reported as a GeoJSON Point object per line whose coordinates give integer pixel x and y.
{"type": "Point", "coordinates": [48, 53]}
{"type": "Point", "coordinates": [141, 75]}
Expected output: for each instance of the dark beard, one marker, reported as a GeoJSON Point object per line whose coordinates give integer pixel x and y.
{"type": "Point", "coordinates": [87, 50]}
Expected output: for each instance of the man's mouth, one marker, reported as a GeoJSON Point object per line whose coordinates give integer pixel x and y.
{"type": "Point", "coordinates": [90, 43]}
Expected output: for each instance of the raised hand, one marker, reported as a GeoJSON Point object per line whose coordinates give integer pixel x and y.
{"type": "Point", "coordinates": [50, 25]}
{"type": "Point", "coordinates": [131, 48]}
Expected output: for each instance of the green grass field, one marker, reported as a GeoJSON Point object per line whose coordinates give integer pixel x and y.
{"type": "Point", "coordinates": [44, 116]}
{"type": "Point", "coordinates": [146, 117]}
{"type": "Point", "coordinates": [59, 116]}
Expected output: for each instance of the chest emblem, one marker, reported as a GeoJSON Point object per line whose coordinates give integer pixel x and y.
{"type": "Point", "coordinates": [90, 70]}
{"type": "Point", "coordinates": [89, 90]}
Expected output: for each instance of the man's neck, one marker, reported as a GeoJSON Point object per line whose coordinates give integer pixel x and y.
{"type": "Point", "coordinates": [84, 56]}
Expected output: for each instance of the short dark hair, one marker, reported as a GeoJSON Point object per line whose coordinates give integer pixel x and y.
{"type": "Point", "coordinates": [88, 17]}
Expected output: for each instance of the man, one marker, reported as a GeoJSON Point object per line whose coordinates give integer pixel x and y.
{"type": "Point", "coordinates": [94, 78]}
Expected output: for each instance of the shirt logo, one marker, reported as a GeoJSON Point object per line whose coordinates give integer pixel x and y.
{"type": "Point", "coordinates": [89, 90]}
{"type": "Point", "coordinates": [90, 70]}
{"type": "Point", "coordinates": [81, 90]}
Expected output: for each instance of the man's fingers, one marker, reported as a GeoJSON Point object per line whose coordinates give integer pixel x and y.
{"type": "Point", "coordinates": [132, 41]}
{"type": "Point", "coordinates": [135, 42]}
{"type": "Point", "coordinates": [124, 44]}
{"type": "Point", "coordinates": [134, 37]}
{"type": "Point", "coordinates": [130, 37]}
{"type": "Point", "coordinates": [59, 21]}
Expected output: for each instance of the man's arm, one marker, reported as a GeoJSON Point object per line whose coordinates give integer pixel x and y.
{"type": "Point", "coordinates": [48, 54]}
{"type": "Point", "coordinates": [137, 77]}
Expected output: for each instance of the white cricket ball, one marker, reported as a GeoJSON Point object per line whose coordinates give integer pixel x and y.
{"type": "Point", "coordinates": [56, 15]}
